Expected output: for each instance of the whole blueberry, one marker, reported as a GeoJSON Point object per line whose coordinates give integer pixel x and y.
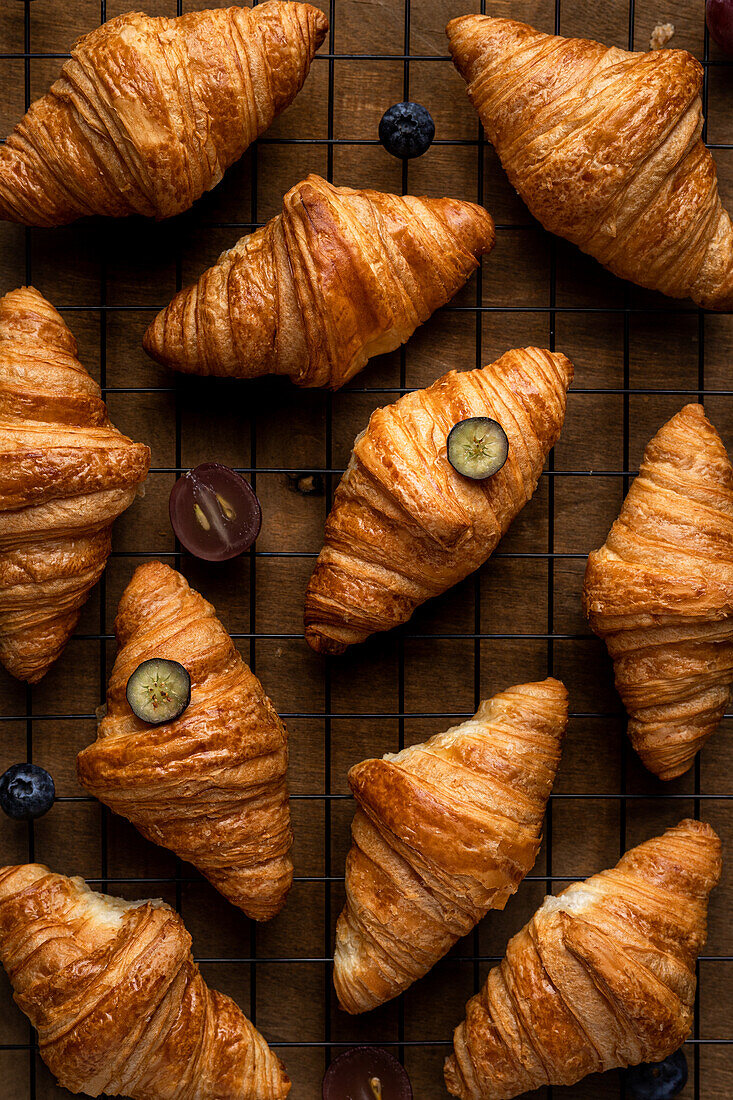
{"type": "Point", "coordinates": [406, 130]}
{"type": "Point", "coordinates": [657, 1080]}
{"type": "Point", "coordinates": [26, 791]}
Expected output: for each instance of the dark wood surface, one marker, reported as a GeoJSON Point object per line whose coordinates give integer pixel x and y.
{"type": "Point", "coordinates": [131, 268]}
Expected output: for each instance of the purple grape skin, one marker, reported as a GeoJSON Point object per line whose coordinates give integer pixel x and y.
{"type": "Point", "coordinates": [719, 18]}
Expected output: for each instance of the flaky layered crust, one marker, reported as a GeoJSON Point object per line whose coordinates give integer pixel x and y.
{"type": "Point", "coordinates": [404, 525]}
{"type": "Point", "coordinates": [605, 148]}
{"type": "Point", "coordinates": [602, 976]}
{"type": "Point", "coordinates": [149, 112]}
{"type": "Point", "coordinates": [119, 1004]}
{"type": "Point", "coordinates": [660, 593]}
{"type": "Point", "coordinates": [211, 785]}
{"type": "Point", "coordinates": [65, 475]}
{"type": "Point", "coordinates": [444, 831]}
{"type": "Point", "coordinates": [339, 276]}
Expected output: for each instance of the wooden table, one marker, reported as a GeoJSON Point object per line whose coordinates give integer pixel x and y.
{"type": "Point", "coordinates": [638, 359]}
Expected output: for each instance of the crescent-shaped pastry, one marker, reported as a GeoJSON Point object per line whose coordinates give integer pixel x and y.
{"type": "Point", "coordinates": [211, 784]}
{"type": "Point", "coordinates": [120, 1006]}
{"type": "Point", "coordinates": [339, 276]}
{"type": "Point", "coordinates": [605, 148]}
{"type": "Point", "coordinates": [65, 475]}
{"type": "Point", "coordinates": [405, 525]}
{"type": "Point", "coordinates": [443, 832]}
{"type": "Point", "coordinates": [149, 112]}
{"type": "Point", "coordinates": [660, 593]}
{"type": "Point", "coordinates": [602, 976]}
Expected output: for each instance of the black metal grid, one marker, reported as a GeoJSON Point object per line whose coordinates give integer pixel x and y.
{"type": "Point", "coordinates": [327, 715]}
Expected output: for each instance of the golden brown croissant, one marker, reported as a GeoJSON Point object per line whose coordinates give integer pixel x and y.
{"type": "Point", "coordinates": [119, 1004]}
{"type": "Point", "coordinates": [149, 112]}
{"type": "Point", "coordinates": [339, 276]}
{"type": "Point", "coordinates": [605, 148]}
{"type": "Point", "coordinates": [65, 475]}
{"type": "Point", "coordinates": [209, 785]}
{"type": "Point", "coordinates": [660, 592]}
{"type": "Point", "coordinates": [443, 832]}
{"type": "Point", "coordinates": [404, 525]}
{"type": "Point", "coordinates": [602, 976]}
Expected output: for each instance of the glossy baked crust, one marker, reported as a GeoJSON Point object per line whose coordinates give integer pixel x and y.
{"type": "Point", "coordinates": [602, 975]}
{"type": "Point", "coordinates": [660, 592]}
{"type": "Point", "coordinates": [339, 276]}
{"type": "Point", "coordinates": [119, 1004]}
{"type": "Point", "coordinates": [211, 785]}
{"type": "Point", "coordinates": [404, 525]}
{"type": "Point", "coordinates": [65, 475]}
{"type": "Point", "coordinates": [149, 112]}
{"type": "Point", "coordinates": [605, 148]}
{"type": "Point", "coordinates": [444, 832]}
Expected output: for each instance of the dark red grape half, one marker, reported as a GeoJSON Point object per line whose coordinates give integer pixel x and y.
{"type": "Point", "coordinates": [214, 512]}
{"type": "Point", "coordinates": [719, 18]}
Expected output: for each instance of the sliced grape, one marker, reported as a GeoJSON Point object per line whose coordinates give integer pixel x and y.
{"type": "Point", "coordinates": [477, 447]}
{"type": "Point", "coordinates": [719, 17]}
{"type": "Point", "coordinates": [366, 1072]}
{"type": "Point", "coordinates": [214, 512]}
{"type": "Point", "coordinates": [159, 691]}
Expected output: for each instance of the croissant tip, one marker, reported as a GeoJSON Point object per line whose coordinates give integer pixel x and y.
{"type": "Point", "coordinates": [324, 643]}
{"type": "Point", "coordinates": [154, 343]}
{"type": "Point", "coordinates": [321, 24]}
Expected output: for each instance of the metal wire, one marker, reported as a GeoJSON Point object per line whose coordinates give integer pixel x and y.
{"type": "Point", "coordinates": [103, 308]}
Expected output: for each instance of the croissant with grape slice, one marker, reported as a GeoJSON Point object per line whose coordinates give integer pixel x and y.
{"type": "Point", "coordinates": [339, 276]}
{"type": "Point", "coordinates": [211, 783]}
{"type": "Point", "coordinates": [444, 831]}
{"type": "Point", "coordinates": [65, 475]}
{"type": "Point", "coordinates": [120, 1006]}
{"type": "Point", "coordinates": [602, 976]}
{"type": "Point", "coordinates": [149, 112]}
{"type": "Point", "coordinates": [660, 593]}
{"type": "Point", "coordinates": [405, 525]}
{"type": "Point", "coordinates": [605, 148]}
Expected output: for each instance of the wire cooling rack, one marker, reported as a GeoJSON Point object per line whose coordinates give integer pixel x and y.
{"type": "Point", "coordinates": [468, 952]}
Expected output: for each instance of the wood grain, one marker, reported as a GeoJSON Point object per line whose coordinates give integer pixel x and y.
{"type": "Point", "coordinates": [133, 267]}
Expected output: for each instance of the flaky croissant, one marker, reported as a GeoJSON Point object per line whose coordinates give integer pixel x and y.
{"type": "Point", "coordinates": [65, 475]}
{"type": "Point", "coordinates": [339, 276]}
{"type": "Point", "coordinates": [149, 112]}
{"type": "Point", "coordinates": [211, 784]}
{"type": "Point", "coordinates": [660, 593]}
{"type": "Point", "coordinates": [443, 832]}
{"type": "Point", "coordinates": [605, 148]}
{"type": "Point", "coordinates": [405, 525]}
{"type": "Point", "coordinates": [119, 1004]}
{"type": "Point", "coordinates": [602, 976]}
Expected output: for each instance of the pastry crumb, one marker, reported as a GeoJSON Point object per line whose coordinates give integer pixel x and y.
{"type": "Point", "coordinates": [661, 35]}
{"type": "Point", "coordinates": [309, 485]}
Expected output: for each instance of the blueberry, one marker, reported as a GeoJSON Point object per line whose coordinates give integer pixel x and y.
{"type": "Point", "coordinates": [406, 130]}
{"type": "Point", "coordinates": [657, 1080]}
{"type": "Point", "coordinates": [26, 791]}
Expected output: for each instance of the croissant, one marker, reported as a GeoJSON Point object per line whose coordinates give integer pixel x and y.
{"type": "Point", "coordinates": [149, 113]}
{"type": "Point", "coordinates": [339, 276]}
{"type": "Point", "coordinates": [605, 148]}
{"type": "Point", "coordinates": [209, 785]}
{"type": "Point", "coordinates": [660, 592]}
{"type": "Point", "coordinates": [119, 1004]}
{"type": "Point", "coordinates": [404, 525]}
{"type": "Point", "coordinates": [602, 976]}
{"type": "Point", "coordinates": [65, 475]}
{"type": "Point", "coordinates": [443, 832]}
